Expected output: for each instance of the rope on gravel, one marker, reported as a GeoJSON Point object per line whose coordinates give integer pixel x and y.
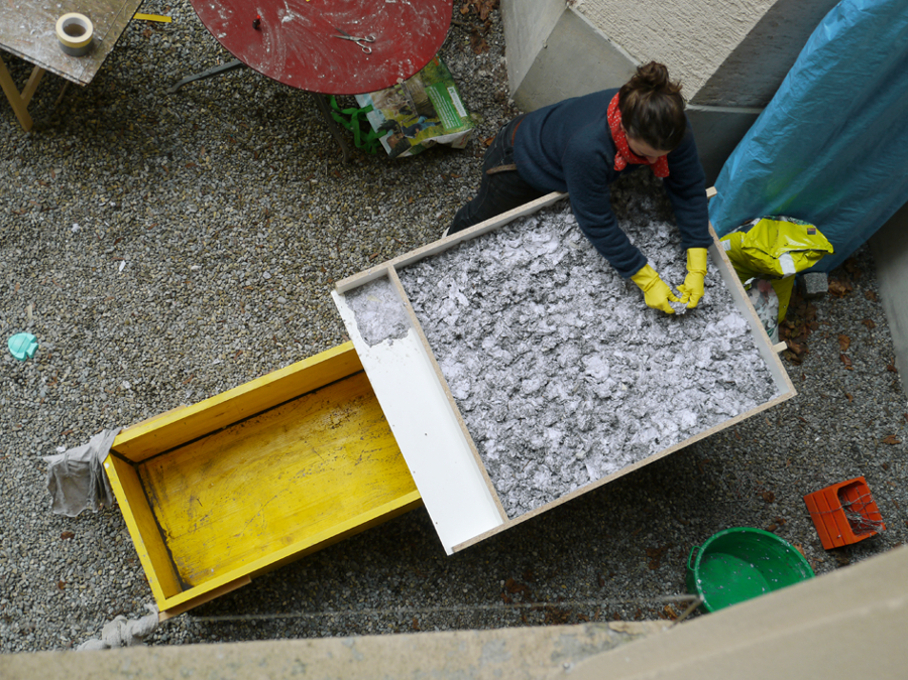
{"type": "Point", "coordinates": [121, 632]}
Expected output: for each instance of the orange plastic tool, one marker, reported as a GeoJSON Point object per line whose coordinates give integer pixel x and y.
{"type": "Point", "coordinates": [844, 513]}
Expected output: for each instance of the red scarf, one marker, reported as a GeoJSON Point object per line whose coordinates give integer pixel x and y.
{"type": "Point", "coordinates": [625, 155]}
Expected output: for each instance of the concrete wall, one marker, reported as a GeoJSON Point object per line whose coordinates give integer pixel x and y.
{"type": "Point", "coordinates": [750, 74]}
{"type": "Point", "coordinates": [692, 38]}
{"type": "Point", "coordinates": [570, 57]}
{"type": "Point", "coordinates": [850, 623]}
{"type": "Point", "coordinates": [890, 251]}
{"type": "Point", "coordinates": [527, 26]}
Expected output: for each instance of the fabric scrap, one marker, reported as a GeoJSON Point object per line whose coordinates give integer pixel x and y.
{"type": "Point", "coordinates": [76, 479]}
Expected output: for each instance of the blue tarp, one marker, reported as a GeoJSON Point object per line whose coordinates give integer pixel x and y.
{"type": "Point", "coordinates": [831, 148]}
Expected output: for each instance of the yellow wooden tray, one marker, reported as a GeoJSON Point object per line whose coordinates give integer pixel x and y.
{"type": "Point", "coordinates": [221, 491]}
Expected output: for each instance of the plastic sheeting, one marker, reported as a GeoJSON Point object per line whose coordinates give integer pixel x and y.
{"type": "Point", "coordinates": [831, 148]}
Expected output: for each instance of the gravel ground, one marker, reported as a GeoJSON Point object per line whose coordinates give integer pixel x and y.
{"type": "Point", "coordinates": [165, 248]}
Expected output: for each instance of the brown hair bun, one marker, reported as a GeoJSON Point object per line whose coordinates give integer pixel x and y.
{"type": "Point", "coordinates": [652, 108]}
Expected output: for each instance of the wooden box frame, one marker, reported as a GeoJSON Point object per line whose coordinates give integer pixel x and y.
{"type": "Point", "coordinates": [219, 492]}
{"type": "Point", "coordinates": [444, 461]}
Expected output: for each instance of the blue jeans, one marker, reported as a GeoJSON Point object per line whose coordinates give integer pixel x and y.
{"type": "Point", "coordinates": [499, 191]}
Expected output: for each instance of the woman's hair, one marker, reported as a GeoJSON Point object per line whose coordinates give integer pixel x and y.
{"type": "Point", "coordinates": [652, 108]}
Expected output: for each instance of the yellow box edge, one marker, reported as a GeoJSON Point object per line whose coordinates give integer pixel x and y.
{"type": "Point", "coordinates": [260, 565]}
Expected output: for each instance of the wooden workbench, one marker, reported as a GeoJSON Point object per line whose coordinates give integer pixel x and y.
{"type": "Point", "coordinates": [27, 30]}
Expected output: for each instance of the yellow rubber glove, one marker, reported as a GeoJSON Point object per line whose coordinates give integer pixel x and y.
{"type": "Point", "coordinates": [656, 292]}
{"type": "Point", "coordinates": [692, 288]}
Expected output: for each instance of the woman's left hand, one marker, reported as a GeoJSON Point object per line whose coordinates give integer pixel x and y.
{"type": "Point", "coordinates": [692, 288]}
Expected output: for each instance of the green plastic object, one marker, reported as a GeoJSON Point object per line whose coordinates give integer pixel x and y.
{"type": "Point", "coordinates": [739, 564]}
{"type": "Point", "coordinates": [354, 119]}
{"type": "Point", "coordinates": [23, 346]}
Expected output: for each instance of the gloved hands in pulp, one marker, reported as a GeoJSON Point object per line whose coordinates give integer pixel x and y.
{"type": "Point", "coordinates": [692, 288]}
{"type": "Point", "coordinates": [656, 292]}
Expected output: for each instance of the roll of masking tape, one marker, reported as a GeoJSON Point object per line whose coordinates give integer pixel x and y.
{"type": "Point", "coordinates": [74, 31]}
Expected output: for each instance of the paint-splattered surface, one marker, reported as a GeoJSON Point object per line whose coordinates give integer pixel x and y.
{"type": "Point", "coordinates": [297, 43]}
{"type": "Point", "coordinates": [28, 30]}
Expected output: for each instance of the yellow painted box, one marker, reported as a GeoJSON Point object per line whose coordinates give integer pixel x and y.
{"type": "Point", "coordinates": [219, 492]}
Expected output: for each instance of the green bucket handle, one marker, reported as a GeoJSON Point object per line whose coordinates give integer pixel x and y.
{"type": "Point", "coordinates": [691, 556]}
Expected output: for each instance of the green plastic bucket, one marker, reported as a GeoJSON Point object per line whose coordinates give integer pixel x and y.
{"type": "Point", "coordinates": [735, 565]}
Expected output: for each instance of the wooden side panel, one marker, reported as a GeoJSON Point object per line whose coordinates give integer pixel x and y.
{"type": "Point", "coordinates": [742, 301]}
{"type": "Point", "coordinates": [177, 427]}
{"type": "Point", "coordinates": [430, 358]}
{"type": "Point", "coordinates": [199, 600]}
{"type": "Point", "coordinates": [124, 480]}
{"type": "Point", "coordinates": [372, 517]}
{"type": "Point", "coordinates": [239, 577]}
{"type": "Point", "coordinates": [436, 247]}
{"type": "Point", "coordinates": [275, 480]}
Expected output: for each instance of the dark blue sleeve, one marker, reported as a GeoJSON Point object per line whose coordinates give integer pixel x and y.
{"type": "Point", "coordinates": [686, 188]}
{"type": "Point", "coordinates": [588, 176]}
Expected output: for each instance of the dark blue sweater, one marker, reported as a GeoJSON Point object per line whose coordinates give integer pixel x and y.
{"type": "Point", "coordinates": [568, 147]}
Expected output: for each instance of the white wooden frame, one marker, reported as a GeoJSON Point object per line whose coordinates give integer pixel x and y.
{"type": "Point", "coordinates": [429, 428]}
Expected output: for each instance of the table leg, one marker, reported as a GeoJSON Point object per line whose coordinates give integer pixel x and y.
{"type": "Point", "coordinates": [19, 101]}
{"type": "Point", "coordinates": [229, 66]}
{"type": "Point", "coordinates": [325, 108]}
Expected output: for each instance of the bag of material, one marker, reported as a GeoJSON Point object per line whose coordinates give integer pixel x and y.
{"type": "Point", "coordinates": [775, 248]}
{"type": "Point", "coordinates": [424, 110]}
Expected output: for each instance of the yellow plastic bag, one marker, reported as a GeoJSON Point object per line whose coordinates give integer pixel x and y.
{"type": "Point", "coordinates": [775, 248]}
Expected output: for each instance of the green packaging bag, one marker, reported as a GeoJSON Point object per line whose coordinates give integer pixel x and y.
{"type": "Point", "coordinates": [417, 113]}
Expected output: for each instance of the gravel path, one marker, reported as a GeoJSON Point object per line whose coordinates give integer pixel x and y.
{"type": "Point", "coordinates": [165, 248]}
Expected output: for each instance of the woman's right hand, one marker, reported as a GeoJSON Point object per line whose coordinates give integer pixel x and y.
{"type": "Point", "coordinates": [656, 292]}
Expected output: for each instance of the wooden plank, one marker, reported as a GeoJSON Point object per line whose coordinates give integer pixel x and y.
{"type": "Point", "coordinates": [437, 450]}
{"type": "Point", "coordinates": [19, 101]}
{"type": "Point", "coordinates": [395, 280]}
{"type": "Point", "coordinates": [436, 247]}
{"type": "Point", "coordinates": [269, 561]}
{"type": "Point", "coordinates": [140, 521]}
{"type": "Point", "coordinates": [295, 471]}
{"type": "Point", "coordinates": [371, 517]}
{"type": "Point", "coordinates": [160, 18]}
{"type": "Point", "coordinates": [742, 301]}
{"type": "Point", "coordinates": [182, 425]}
{"type": "Point", "coordinates": [32, 84]}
